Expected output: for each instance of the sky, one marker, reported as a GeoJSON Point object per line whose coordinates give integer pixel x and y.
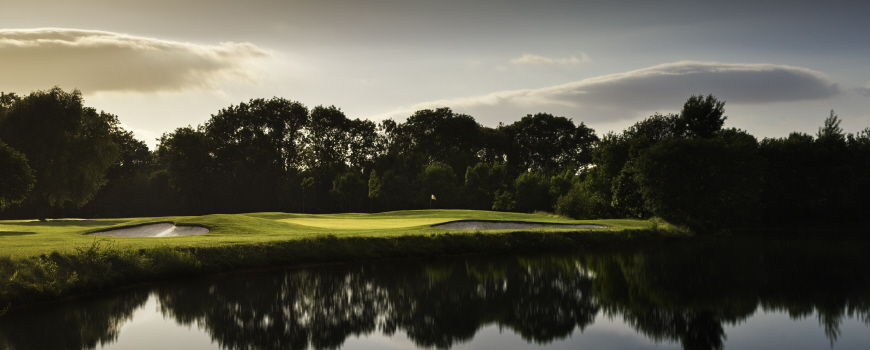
{"type": "Point", "coordinates": [781, 66]}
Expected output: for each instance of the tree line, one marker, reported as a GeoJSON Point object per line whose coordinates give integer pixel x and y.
{"type": "Point", "coordinates": [60, 158]}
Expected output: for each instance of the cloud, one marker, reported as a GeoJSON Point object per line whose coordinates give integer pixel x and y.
{"type": "Point", "coordinates": [863, 90]}
{"type": "Point", "coordinates": [103, 61]}
{"type": "Point", "coordinates": [628, 95]}
{"type": "Point", "coordinates": [530, 59]}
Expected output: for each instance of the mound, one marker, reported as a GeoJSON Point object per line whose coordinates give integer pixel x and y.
{"type": "Point", "coordinates": [163, 229]}
{"type": "Point", "coordinates": [506, 225]}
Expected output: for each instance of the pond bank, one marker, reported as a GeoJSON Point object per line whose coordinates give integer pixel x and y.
{"type": "Point", "coordinates": [101, 266]}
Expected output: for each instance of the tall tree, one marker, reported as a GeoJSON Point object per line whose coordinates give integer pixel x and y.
{"type": "Point", "coordinates": [705, 184]}
{"type": "Point", "coordinates": [185, 156]}
{"type": "Point", "coordinates": [543, 142]}
{"type": "Point", "coordinates": [440, 135]}
{"type": "Point", "coordinates": [68, 145]}
{"type": "Point", "coordinates": [127, 191]}
{"type": "Point", "coordinates": [256, 146]}
{"type": "Point", "coordinates": [533, 192]}
{"type": "Point", "coordinates": [374, 189]}
{"type": "Point", "coordinates": [439, 180]}
{"type": "Point", "coordinates": [350, 188]}
{"type": "Point", "coordinates": [702, 116]}
{"type": "Point", "coordinates": [16, 177]}
{"type": "Point", "coordinates": [481, 183]}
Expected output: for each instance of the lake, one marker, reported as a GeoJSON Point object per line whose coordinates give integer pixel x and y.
{"type": "Point", "coordinates": [703, 294]}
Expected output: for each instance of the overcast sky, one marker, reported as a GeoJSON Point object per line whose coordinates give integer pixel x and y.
{"type": "Point", "coordinates": [781, 66]}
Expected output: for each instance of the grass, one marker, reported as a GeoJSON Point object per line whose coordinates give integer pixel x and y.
{"type": "Point", "coordinates": [33, 238]}
{"type": "Point", "coordinates": [40, 261]}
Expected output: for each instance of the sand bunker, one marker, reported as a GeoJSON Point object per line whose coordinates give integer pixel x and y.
{"type": "Point", "coordinates": [163, 229]}
{"type": "Point", "coordinates": [507, 225]}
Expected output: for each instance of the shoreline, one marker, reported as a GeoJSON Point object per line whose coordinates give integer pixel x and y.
{"type": "Point", "coordinates": [101, 268]}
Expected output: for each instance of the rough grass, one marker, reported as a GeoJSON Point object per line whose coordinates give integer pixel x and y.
{"type": "Point", "coordinates": [41, 261]}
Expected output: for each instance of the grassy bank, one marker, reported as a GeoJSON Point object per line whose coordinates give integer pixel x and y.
{"type": "Point", "coordinates": [42, 261]}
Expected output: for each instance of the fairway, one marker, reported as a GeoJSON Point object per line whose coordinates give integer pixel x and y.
{"type": "Point", "coordinates": [365, 224]}
{"type": "Point", "coordinates": [33, 238]}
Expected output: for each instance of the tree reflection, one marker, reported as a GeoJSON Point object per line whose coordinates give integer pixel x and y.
{"type": "Point", "coordinates": [71, 326]}
{"type": "Point", "coordinates": [681, 292]}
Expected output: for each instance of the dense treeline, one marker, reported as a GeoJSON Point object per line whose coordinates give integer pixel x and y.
{"type": "Point", "coordinates": [278, 155]}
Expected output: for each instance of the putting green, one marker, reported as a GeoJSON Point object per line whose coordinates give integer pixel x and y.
{"type": "Point", "coordinates": [363, 224]}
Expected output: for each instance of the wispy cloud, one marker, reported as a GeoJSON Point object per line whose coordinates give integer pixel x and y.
{"type": "Point", "coordinates": [103, 61]}
{"type": "Point", "coordinates": [530, 59]}
{"type": "Point", "coordinates": [625, 95]}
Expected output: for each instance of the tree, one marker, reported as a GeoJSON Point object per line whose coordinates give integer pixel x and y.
{"type": "Point", "coordinates": [481, 183]}
{"type": "Point", "coordinates": [533, 192]}
{"type": "Point", "coordinates": [440, 135]}
{"type": "Point", "coordinates": [374, 189]}
{"type": "Point", "coordinates": [438, 179]}
{"type": "Point", "coordinates": [326, 140]}
{"type": "Point", "coordinates": [362, 144]}
{"type": "Point", "coordinates": [398, 190]}
{"type": "Point", "coordinates": [16, 177]}
{"type": "Point", "coordinates": [68, 145]}
{"type": "Point", "coordinates": [185, 155]}
{"type": "Point", "coordinates": [815, 177]}
{"type": "Point", "coordinates": [577, 203]}
{"type": "Point", "coordinates": [306, 184]}
{"type": "Point", "coordinates": [350, 187]}
{"type": "Point", "coordinates": [705, 184]}
{"type": "Point", "coordinates": [256, 147]}
{"type": "Point", "coordinates": [503, 201]}
{"type": "Point", "coordinates": [702, 116]}
{"type": "Point", "coordinates": [543, 142]}
{"type": "Point", "coordinates": [127, 192]}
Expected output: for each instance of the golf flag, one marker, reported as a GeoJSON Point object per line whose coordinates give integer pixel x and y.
{"type": "Point", "coordinates": [433, 197]}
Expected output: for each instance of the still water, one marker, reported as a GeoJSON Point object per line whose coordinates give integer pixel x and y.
{"type": "Point", "coordinates": [751, 294]}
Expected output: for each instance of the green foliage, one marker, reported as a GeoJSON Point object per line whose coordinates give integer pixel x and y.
{"type": "Point", "coordinates": [375, 189]}
{"type": "Point", "coordinates": [533, 192]}
{"type": "Point", "coordinates": [577, 203]}
{"type": "Point", "coordinates": [831, 130]}
{"type": "Point", "coordinates": [503, 201]}
{"type": "Point", "coordinates": [809, 178]}
{"type": "Point", "coordinates": [399, 191]}
{"type": "Point", "coordinates": [16, 176]}
{"type": "Point", "coordinates": [374, 185]}
{"type": "Point", "coordinates": [351, 188]}
{"type": "Point", "coordinates": [702, 116]}
{"type": "Point", "coordinates": [68, 146]}
{"type": "Point", "coordinates": [438, 179]}
{"type": "Point", "coordinates": [482, 181]}
{"type": "Point", "coordinates": [705, 184]}
{"type": "Point", "coordinates": [543, 142]}
{"type": "Point", "coordinates": [252, 146]}
{"type": "Point", "coordinates": [627, 197]}
{"type": "Point", "coordinates": [439, 136]}
{"type": "Point", "coordinates": [185, 155]}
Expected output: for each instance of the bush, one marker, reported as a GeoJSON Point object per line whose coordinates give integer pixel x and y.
{"type": "Point", "coordinates": [576, 204]}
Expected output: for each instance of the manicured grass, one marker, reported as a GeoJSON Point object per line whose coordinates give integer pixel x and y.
{"type": "Point", "coordinates": [41, 261]}
{"type": "Point", "coordinates": [33, 238]}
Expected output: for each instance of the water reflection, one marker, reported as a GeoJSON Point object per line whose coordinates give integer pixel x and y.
{"type": "Point", "coordinates": [687, 293]}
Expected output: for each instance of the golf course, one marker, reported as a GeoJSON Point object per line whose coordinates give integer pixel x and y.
{"type": "Point", "coordinates": [47, 260]}
{"type": "Point", "coordinates": [30, 238]}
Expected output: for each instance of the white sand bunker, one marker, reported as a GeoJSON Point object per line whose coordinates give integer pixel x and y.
{"type": "Point", "coordinates": [163, 229]}
{"type": "Point", "coordinates": [506, 225]}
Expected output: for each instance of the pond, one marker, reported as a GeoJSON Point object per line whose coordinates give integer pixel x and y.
{"type": "Point", "coordinates": [706, 294]}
